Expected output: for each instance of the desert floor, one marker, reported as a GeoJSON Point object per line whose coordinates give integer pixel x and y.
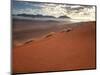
{"type": "Point", "coordinates": [65, 50]}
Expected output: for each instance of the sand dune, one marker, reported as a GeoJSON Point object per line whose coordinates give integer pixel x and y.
{"type": "Point", "coordinates": [24, 30]}
{"type": "Point", "coordinates": [70, 50]}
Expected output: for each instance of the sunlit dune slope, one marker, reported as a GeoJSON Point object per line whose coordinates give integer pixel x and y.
{"type": "Point", "coordinates": [59, 51]}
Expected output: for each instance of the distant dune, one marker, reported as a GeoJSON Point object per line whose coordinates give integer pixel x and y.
{"type": "Point", "coordinates": [66, 50]}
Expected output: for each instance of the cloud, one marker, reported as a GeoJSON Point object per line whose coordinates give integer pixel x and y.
{"type": "Point", "coordinates": [85, 13]}
{"type": "Point", "coordinates": [56, 11]}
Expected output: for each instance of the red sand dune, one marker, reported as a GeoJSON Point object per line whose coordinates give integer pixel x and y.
{"type": "Point", "coordinates": [71, 50]}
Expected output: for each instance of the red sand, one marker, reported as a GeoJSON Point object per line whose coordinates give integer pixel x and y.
{"type": "Point", "coordinates": [61, 51]}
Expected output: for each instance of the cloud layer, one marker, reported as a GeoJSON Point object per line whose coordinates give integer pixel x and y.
{"type": "Point", "coordinates": [56, 10]}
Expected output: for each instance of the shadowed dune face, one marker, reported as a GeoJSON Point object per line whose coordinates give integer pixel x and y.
{"type": "Point", "coordinates": [71, 50]}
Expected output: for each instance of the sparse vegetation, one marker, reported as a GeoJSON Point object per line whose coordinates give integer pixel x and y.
{"type": "Point", "coordinates": [50, 34]}
{"type": "Point", "coordinates": [28, 41]}
{"type": "Point", "coordinates": [67, 30]}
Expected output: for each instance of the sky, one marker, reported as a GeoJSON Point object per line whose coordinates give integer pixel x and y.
{"type": "Point", "coordinates": [56, 10]}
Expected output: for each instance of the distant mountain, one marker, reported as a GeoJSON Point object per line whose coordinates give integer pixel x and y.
{"type": "Point", "coordinates": [39, 16]}
{"type": "Point", "coordinates": [35, 16]}
{"type": "Point", "coordinates": [64, 17]}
